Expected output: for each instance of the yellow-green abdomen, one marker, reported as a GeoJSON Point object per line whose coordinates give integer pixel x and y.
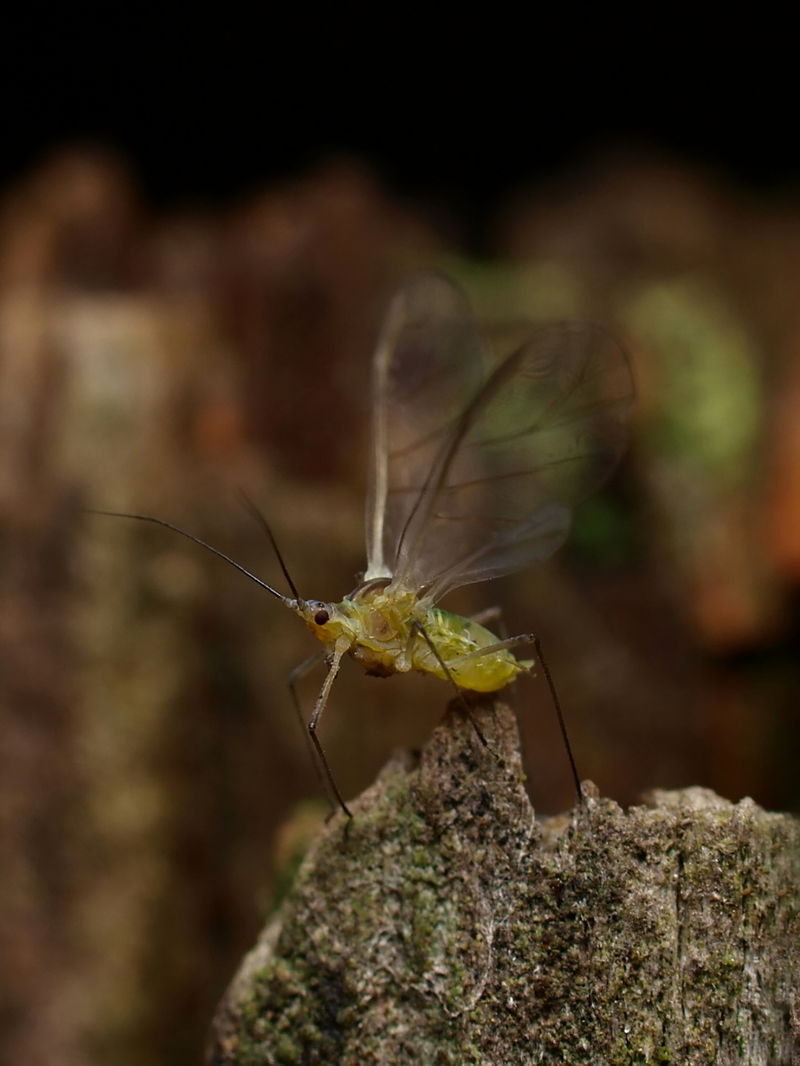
{"type": "Point", "coordinates": [458, 642]}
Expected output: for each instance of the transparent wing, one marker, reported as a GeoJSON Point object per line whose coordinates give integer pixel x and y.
{"type": "Point", "coordinates": [428, 366]}
{"type": "Point", "coordinates": [490, 489]}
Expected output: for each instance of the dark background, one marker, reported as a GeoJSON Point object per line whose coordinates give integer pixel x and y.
{"type": "Point", "coordinates": [461, 115]}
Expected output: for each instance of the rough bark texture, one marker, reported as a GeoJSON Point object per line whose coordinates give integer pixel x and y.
{"type": "Point", "coordinates": [445, 925]}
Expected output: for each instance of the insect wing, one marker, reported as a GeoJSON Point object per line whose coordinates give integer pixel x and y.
{"type": "Point", "coordinates": [545, 430]}
{"type": "Point", "coordinates": [428, 365]}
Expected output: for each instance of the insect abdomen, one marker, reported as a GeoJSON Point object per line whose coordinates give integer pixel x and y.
{"type": "Point", "coordinates": [456, 640]}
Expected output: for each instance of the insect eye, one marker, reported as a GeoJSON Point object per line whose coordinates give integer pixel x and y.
{"type": "Point", "coordinates": [321, 617]}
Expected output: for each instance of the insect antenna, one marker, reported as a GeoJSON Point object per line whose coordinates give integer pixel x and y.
{"type": "Point", "coordinates": [259, 517]}
{"type": "Point", "coordinates": [562, 725]}
{"type": "Point", "coordinates": [195, 540]}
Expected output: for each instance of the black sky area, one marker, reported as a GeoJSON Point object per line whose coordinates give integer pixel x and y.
{"type": "Point", "coordinates": [205, 114]}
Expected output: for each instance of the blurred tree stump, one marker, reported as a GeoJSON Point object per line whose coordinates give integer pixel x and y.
{"type": "Point", "coordinates": [445, 925]}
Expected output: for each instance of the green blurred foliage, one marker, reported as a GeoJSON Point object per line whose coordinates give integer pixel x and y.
{"type": "Point", "coordinates": [710, 405]}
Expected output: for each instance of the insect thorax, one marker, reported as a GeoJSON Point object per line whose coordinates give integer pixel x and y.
{"type": "Point", "coordinates": [383, 613]}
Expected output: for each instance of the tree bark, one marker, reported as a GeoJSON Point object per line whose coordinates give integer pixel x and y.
{"type": "Point", "coordinates": [445, 925]}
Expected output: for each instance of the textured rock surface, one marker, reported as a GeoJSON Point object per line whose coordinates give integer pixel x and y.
{"type": "Point", "coordinates": [445, 925]}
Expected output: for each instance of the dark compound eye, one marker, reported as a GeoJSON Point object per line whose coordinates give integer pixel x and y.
{"type": "Point", "coordinates": [321, 617]}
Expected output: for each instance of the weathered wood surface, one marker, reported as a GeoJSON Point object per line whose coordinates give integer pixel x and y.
{"type": "Point", "coordinates": [445, 925]}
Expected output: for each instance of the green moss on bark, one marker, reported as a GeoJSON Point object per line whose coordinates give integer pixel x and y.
{"type": "Point", "coordinates": [444, 924]}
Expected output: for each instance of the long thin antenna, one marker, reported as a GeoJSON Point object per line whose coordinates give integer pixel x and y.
{"type": "Point", "coordinates": [560, 715]}
{"type": "Point", "coordinates": [259, 517]}
{"type": "Point", "coordinates": [196, 540]}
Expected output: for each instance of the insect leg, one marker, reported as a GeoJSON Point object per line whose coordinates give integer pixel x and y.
{"type": "Point", "coordinates": [500, 645]}
{"type": "Point", "coordinates": [333, 669]}
{"type": "Point", "coordinates": [418, 628]}
{"type": "Point", "coordinates": [489, 616]}
{"type": "Point", "coordinates": [296, 676]}
{"type": "Point", "coordinates": [515, 642]}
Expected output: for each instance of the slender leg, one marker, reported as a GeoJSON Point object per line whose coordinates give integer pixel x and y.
{"type": "Point", "coordinates": [294, 678]}
{"type": "Point", "coordinates": [488, 616]}
{"type": "Point", "coordinates": [418, 628]}
{"type": "Point", "coordinates": [333, 669]}
{"type": "Point", "coordinates": [297, 675]}
{"type": "Point", "coordinates": [515, 642]}
{"type": "Point", "coordinates": [499, 645]}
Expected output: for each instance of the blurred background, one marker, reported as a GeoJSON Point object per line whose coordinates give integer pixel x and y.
{"type": "Point", "coordinates": [194, 253]}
